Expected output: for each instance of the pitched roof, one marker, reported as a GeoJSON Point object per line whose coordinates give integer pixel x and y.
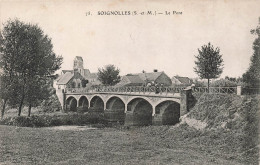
{"type": "Point", "coordinates": [183, 80]}
{"type": "Point", "coordinates": [130, 80]}
{"type": "Point", "coordinates": [64, 71]}
{"type": "Point", "coordinates": [152, 76]}
{"type": "Point", "coordinates": [65, 78]}
{"type": "Point", "coordinates": [135, 79]}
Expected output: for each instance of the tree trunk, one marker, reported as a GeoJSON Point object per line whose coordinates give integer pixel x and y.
{"type": "Point", "coordinates": [3, 110]}
{"type": "Point", "coordinates": [29, 110]}
{"type": "Point", "coordinates": [20, 106]}
{"type": "Point", "coordinates": [208, 85]}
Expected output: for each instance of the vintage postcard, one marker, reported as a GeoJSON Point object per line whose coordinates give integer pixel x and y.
{"type": "Point", "coordinates": [129, 82]}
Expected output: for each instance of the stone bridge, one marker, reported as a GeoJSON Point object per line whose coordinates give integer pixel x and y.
{"type": "Point", "coordinates": [131, 105]}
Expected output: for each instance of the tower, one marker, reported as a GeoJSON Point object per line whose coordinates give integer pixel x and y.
{"type": "Point", "coordinates": [78, 65]}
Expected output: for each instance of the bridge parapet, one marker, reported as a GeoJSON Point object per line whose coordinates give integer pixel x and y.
{"type": "Point", "coordinates": [131, 90]}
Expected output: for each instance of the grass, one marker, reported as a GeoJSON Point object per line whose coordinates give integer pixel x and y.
{"type": "Point", "coordinates": [143, 145]}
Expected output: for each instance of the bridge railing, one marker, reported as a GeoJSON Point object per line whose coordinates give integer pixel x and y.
{"type": "Point", "coordinates": [225, 90]}
{"type": "Point", "coordinates": [130, 89]}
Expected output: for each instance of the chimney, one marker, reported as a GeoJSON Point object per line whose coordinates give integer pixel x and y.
{"type": "Point", "coordinates": [155, 70]}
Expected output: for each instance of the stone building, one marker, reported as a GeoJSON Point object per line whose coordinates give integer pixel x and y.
{"type": "Point", "coordinates": [131, 80]}
{"type": "Point", "coordinates": [73, 78]}
{"type": "Point", "coordinates": [178, 80]}
{"type": "Point", "coordinates": [144, 79]}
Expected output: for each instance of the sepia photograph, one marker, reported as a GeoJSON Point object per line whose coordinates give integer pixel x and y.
{"type": "Point", "coordinates": [124, 82]}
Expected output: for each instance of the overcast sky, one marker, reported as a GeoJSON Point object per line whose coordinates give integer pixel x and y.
{"type": "Point", "coordinates": [144, 42]}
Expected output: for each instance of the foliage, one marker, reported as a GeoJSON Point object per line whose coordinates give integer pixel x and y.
{"type": "Point", "coordinates": [4, 93]}
{"type": "Point", "coordinates": [252, 75]}
{"type": "Point", "coordinates": [27, 61]}
{"type": "Point", "coordinates": [232, 121]}
{"type": "Point", "coordinates": [199, 83]}
{"type": "Point", "coordinates": [109, 75]}
{"type": "Point", "coordinates": [54, 120]}
{"type": "Point", "coordinates": [224, 83]}
{"type": "Point", "coordinates": [209, 62]}
{"type": "Point", "coordinates": [51, 104]}
{"type": "Point", "coordinates": [84, 83]}
{"type": "Point", "coordinates": [234, 79]}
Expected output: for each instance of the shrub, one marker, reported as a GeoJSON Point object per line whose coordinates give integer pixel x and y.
{"type": "Point", "coordinates": [199, 83]}
{"type": "Point", "coordinates": [223, 83]}
{"type": "Point", "coordinates": [20, 121]}
{"type": "Point", "coordinates": [95, 118]}
{"type": "Point", "coordinates": [55, 120]}
{"type": "Point", "coordinates": [39, 121]}
{"type": "Point", "coordinates": [82, 109]}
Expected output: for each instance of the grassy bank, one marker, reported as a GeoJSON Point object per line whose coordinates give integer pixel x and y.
{"type": "Point", "coordinates": [232, 125]}
{"type": "Point", "coordinates": [144, 145]}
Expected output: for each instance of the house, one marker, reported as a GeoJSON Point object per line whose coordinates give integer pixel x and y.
{"type": "Point", "coordinates": [156, 78]}
{"type": "Point", "coordinates": [141, 79]}
{"type": "Point", "coordinates": [177, 80]}
{"type": "Point", "coordinates": [73, 78]}
{"type": "Point", "coordinates": [70, 80]}
{"type": "Point", "coordinates": [131, 80]}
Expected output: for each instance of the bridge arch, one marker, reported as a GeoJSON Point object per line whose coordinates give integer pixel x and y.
{"type": "Point", "coordinates": [115, 110]}
{"type": "Point", "coordinates": [71, 104]}
{"type": "Point", "coordinates": [118, 96]}
{"type": "Point", "coordinates": [97, 103]}
{"type": "Point", "coordinates": [167, 112]}
{"type": "Point", "coordinates": [139, 97]}
{"type": "Point", "coordinates": [141, 110]}
{"type": "Point", "coordinates": [83, 102]}
{"type": "Point", "coordinates": [115, 103]}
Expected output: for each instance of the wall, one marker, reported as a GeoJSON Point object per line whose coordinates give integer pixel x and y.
{"type": "Point", "coordinates": [164, 79]}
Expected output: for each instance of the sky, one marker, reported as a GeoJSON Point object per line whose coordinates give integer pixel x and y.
{"type": "Point", "coordinates": [134, 43]}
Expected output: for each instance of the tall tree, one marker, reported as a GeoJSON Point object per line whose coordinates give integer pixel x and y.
{"type": "Point", "coordinates": [35, 95]}
{"type": "Point", "coordinates": [252, 75]}
{"type": "Point", "coordinates": [209, 63]}
{"type": "Point", "coordinates": [7, 90]}
{"type": "Point", "coordinates": [27, 56]}
{"type": "Point", "coordinates": [109, 75]}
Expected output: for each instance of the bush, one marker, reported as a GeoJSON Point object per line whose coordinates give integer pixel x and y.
{"type": "Point", "coordinates": [199, 83]}
{"type": "Point", "coordinates": [22, 121]}
{"type": "Point", "coordinates": [51, 105]}
{"type": "Point", "coordinates": [55, 120]}
{"type": "Point", "coordinates": [223, 83]}
{"type": "Point", "coordinates": [40, 121]}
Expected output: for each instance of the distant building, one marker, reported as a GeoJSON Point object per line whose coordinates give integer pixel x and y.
{"type": "Point", "coordinates": [181, 80]}
{"type": "Point", "coordinates": [144, 79]}
{"type": "Point", "coordinates": [73, 78]}
{"type": "Point", "coordinates": [131, 80]}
